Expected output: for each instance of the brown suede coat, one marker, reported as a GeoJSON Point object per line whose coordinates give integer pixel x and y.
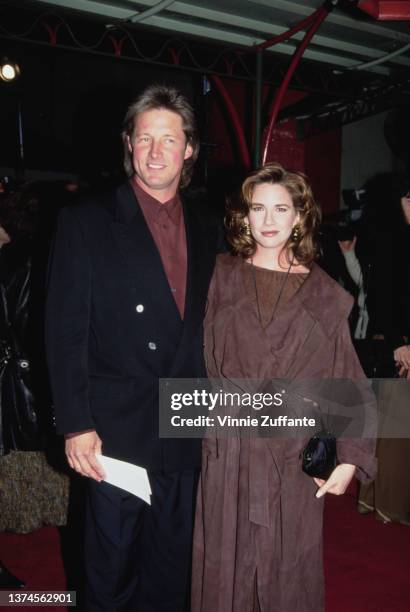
{"type": "Point", "coordinates": [258, 527]}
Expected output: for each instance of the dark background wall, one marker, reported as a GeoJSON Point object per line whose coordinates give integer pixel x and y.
{"type": "Point", "coordinates": [73, 104]}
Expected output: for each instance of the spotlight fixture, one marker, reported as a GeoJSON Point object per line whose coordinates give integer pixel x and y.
{"type": "Point", "coordinates": [8, 70]}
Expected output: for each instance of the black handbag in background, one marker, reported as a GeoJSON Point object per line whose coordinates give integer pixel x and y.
{"type": "Point", "coordinates": [19, 423]}
{"type": "Point", "coordinates": [19, 426]}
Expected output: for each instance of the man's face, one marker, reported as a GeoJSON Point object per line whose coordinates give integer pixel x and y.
{"type": "Point", "coordinates": [159, 148]}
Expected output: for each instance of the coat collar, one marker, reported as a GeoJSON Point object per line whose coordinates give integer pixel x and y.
{"type": "Point", "coordinates": [140, 255]}
{"type": "Point", "coordinates": [125, 207]}
{"type": "Point", "coordinates": [320, 295]}
{"type": "Point", "coordinates": [326, 301]}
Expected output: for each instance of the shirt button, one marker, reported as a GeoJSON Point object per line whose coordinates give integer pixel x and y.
{"type": "Point", "coordinates": [139, 308]}
{"type": "Point", "coordinates": [152, 346]}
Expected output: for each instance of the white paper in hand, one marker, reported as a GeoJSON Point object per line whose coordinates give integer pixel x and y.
{"type": "Point", "coordinates": [127, 476]}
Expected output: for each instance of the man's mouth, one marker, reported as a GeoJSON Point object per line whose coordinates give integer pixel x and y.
{"type": "Point", "coordinates": [156, 166]}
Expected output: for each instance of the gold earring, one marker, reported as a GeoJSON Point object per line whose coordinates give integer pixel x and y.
{"type": "Point", "coordinates": [296, 233]}
{"type": "Point", "coordinates": [246, 228]}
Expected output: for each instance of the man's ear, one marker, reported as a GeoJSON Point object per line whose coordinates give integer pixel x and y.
{"type": "Point", "coordinates": [129, 145]}
{"type": "Point", "coordinates": [188, 151]}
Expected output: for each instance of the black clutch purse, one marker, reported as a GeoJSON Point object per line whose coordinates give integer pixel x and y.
{"type": "Point", "coordinates": [319, 457]}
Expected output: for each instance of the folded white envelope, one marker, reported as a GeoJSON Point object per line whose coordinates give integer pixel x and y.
{"type": "Point", "coordinates": [127, 476]}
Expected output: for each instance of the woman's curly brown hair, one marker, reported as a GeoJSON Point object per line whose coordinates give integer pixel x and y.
{"type": "Point", "coordinates": [304, 249]}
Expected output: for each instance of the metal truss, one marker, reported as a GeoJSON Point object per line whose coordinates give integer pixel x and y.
{"type": "Point", "coordinates": [71, 31]}
{"type": "Point", "coordinates": [373, 100]}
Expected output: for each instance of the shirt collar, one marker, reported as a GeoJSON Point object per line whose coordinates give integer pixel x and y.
{"type": "Point", "coordinates": [154, 209]}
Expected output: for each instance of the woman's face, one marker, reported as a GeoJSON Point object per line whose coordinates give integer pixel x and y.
{"type": "Point", "coordinates": [272, 216]}
{"type": "Point", "coordinates": [405, 206]}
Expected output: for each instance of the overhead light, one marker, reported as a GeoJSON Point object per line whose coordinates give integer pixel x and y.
{"type": "Point", "coordinates": [8, 70]}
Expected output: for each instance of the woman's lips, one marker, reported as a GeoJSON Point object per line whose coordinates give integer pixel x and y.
{"type": "Point", "coordinates": [269, 234]}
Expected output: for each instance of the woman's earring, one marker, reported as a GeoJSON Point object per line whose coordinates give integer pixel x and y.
{"type": "Point", "coordinates": [296, 233]}
{"type": "Point", "coordinates": [246, 228]}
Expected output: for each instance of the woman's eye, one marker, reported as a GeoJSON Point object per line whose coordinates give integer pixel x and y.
{"type": "Point", "coordinates": [257, 208]}
{"type": "Point", "coordinates": [281, 209]}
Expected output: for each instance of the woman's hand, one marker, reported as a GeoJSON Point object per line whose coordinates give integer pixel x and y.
{"type": "Point", "coordinates": [338, 480]}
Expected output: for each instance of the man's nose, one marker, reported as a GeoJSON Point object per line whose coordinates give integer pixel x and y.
{"type": "Point", "coordinates": [155, 150]}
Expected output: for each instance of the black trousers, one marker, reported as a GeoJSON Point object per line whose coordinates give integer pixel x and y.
{"type": "Point", "coordinates": [138, 557]}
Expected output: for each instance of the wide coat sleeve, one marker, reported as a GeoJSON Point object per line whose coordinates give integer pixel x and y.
{"type": "Point", "coordinates": [356, 451]}
{"type": "Point", "coordinates": [68, 324]}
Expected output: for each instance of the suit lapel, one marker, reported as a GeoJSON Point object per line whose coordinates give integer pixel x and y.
{"type": "Point", "coordinates": [143, 264]}
{"type": "Point", "coordinates": [140, 255]}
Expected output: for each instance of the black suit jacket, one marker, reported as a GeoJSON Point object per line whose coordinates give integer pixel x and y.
{"type": "Point", "coordinates": [113, 327]}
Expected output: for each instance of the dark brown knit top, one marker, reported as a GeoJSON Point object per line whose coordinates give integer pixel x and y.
{"type": "Point", "coordinates": [268, 285]}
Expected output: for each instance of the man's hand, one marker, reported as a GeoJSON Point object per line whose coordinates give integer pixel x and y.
{"type": "Point", "coordinates": [348, 245]}
{"type": "Point", "coordinates": [404, 372]}
{"type": "Point", "coordinates": [338, 480]}
{"type": "Point", "coordinates": [81, 449]}
{"type": "Point", "coordinates": [402, 358]}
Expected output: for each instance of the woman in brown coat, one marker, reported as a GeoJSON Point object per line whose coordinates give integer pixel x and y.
{"type": "Point", "coordinates": [272, 314]}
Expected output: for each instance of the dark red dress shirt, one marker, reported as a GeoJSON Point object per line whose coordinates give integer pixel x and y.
{"type": "Point", "coordinates": [166, 224]}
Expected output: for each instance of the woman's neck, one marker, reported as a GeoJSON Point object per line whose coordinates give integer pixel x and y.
{"type": "Point", "coordinates": [276, 260]}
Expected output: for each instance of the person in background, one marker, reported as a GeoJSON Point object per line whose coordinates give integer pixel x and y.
{"type": "Point", "coordinates": [7, 579]}
{"type": "Point", "coordinates": [400, 331]}
{"type": "Point", "coordinates": [367, 247]}
{"type": "Point", "coordinates": [389, 495]}
{"type": "Point", "coordinates": [356, 273]}
{"type": "Point", "coordinates": [32, 492]}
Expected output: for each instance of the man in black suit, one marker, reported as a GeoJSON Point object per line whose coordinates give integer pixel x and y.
{"type": "Point", "coordinates": [128, 282]}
